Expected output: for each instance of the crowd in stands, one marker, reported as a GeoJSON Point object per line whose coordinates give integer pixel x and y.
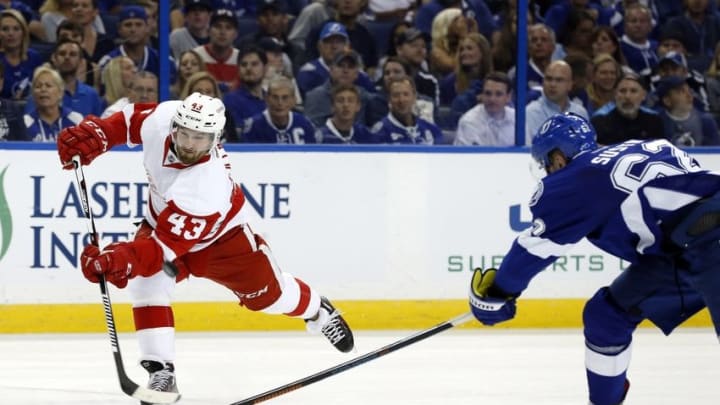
{"type": "Point", "coordinates": [370, 71]}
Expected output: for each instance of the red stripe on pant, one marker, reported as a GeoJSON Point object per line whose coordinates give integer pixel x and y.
{"type": "Point", "coordinates": [153, 317]}
{"type": "Point", "coordinates": [304, 299]}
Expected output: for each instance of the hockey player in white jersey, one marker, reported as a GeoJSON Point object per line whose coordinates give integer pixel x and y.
{"type": "Point", "coordinates": [195, 220]}
{"type": "Point", "coordinates": [646, 202]}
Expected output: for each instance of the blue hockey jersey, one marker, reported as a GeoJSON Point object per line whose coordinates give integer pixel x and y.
{"type": "Point", "coordinates": [616, 196]}
{"type": "Point", "coordinates": [260, 129]}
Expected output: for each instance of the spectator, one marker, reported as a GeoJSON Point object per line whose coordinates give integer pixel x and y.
{"type": "Point", "coordinates": [618, 17]}
{"type": "Point", "coordinates": [491, 122]}
{"type": "Point", "coordinates": [97, 40]}
{"type": "Point", "coordinates": [52, 13]}
{"type": "Point", "coordinates": [278, 123]}
{"type": "Point", "coordinates": [30, 17]}
{"type": "Point", "coordinates": [558, 16]}
{"type": "Point", "coordinates": [626, 118]}
{"type": "Point", "coordinates": [671, 41]}
{"type": "Point", "coordinates": [116, 77]}
{"type": "Point", "coordinates": [504, 42]}
{"type": "Point", "coordinates": [555, 99]}
{"type": "Point", "coordinates": [479, 11]}
{"type": "Point", "coordinates": [278, 63]}
{"type": "Point", "coordinates": [219, 55]}
{"type": "Point", "coordinates": [378, 105]}
{"type": "Point", "coordinates": [189, 63]}
{"type": "Point", "coordinates": [639, 50]}
{"type": "Point", "coordinates": [19, 59]}
{"type": "Point", "coordinates": [712, 81]}
{"type": "Point", "coordinates": [675, 64]}
{"type": "Point", "coordinates": [606, 73]}
{"type": "Point", "coordinates": [248, 99]}
{"type": "Point", "coordinates": [134, 34]}
{"type": "Point", "coordinates": [333, 39]}
{"type": "Point", "coordinates": [402, 125]}
{"type": "Point", "coordinates": [12, 127]}
{"type": "Point", "coordinates": [582, 74]}
{"type": "Point", "coordinates": [151, 10]}
{"type": "Point", "coordinates": [344, 70]}
{"type": "Point", "coordinates": [411, 48]}
{"type": "Point", "coordinates": [78, 96]}
{"type": "Point", "coordinates": [204, 83]}
{"type": "Point", "coordinates": [474, 62]}
{"type": "Point", "coordinates": [429, 10]}
{"type": "Point", "coordinates": [143, 88]}
{"type": "Point", "coordinates": [48, 116]}
{"type": "Point", "coordinates": [449, 27]}
{"type": "Point", "coordinates": [541, 45]}
{"type": "Point", "coordinates": [359, 37]}
{"type": "Point", "coordinates": [701, 30]}
{"type": "Point", "coordinates": [273, 22]}
{"type": "Point", "coordinates": [196, 30]}
{"type": "Point", "coordinates": [684, 124]}
{"type": "Point", "coordinates": [312, 16]}
{"type": "Point", "coordinates": [68, 30]}
{"type": "Point", "coordinates": [343, 126]}
{"type": "Point", "coordinates": [604, 40]}
{"type": "Point", "coordinates": [577, 34]}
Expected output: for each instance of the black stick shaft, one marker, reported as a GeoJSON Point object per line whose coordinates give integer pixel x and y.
{"type": "Point", "coordinates": [295, 385]}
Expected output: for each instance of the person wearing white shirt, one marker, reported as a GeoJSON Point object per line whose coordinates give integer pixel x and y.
{"type": "Point", "coordinates": [491, 122]}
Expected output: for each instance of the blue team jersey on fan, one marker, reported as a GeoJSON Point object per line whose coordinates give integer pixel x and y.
{"type": "Point", "coordinates": [260, 129]}
{"type": "Point", "coordinates": [616, 196]}
{"type": "Point", "coordinates": [390, 130]}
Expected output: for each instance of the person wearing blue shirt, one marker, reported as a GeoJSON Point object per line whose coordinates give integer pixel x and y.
{"type": "Point", "coordinates": [248, 99]}
{"type": "Point", "coordinates": [333, 39]}
{"type": "Point", "coordinates": [278, 123]}
{"type": "Point", "coordinates": [402, 125]}
{"type": "Point", "coordinates": [341, 127]}
{"type": "Point", "coordinates": [78, 96]}
{"type": "Point", "coordinates": [648, 203]}
{"type": "Point", "coordinates": [30, 15]}
{"type": "Point", "coordinates": [639, 50]}
{"type": "Point", "coordinates": [48, 117]}
{"type": "Point", "coordinates": [19, 59]}
{"type": "Point", "coordinates": [134, 33]}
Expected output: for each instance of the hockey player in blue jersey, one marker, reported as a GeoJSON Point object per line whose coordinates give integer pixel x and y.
{"type": "Point", "coordinates": [647, 202]}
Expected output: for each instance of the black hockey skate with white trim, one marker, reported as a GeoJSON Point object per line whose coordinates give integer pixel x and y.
{"type": "Point", "coordinates": [330, 323]}
{"type": "Point", "coordinates": [162, 377]}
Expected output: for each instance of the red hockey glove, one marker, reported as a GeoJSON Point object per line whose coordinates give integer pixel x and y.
{"type": "Point", "coordinates": [87, 139]}
{"type": "Point", "coordinates": [115, 262]}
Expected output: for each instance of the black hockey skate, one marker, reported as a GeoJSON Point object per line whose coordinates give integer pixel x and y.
{"type": "Point", "coordinates": [331, 324]}
{"type": "Point", "coordinates": [162, 377]}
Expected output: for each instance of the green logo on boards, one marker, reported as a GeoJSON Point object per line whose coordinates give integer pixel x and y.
{"type": "Point", "coordinates": [5, 218]}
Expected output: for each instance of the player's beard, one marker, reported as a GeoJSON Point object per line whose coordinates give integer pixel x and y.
{"type": "Point", "coordinates": [188, 157]}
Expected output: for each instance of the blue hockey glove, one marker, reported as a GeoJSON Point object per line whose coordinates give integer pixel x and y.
{"type": "Point", "coordinates": [489, 305]}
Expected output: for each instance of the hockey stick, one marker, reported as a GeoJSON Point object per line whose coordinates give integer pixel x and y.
{"type": "Point", "coordinates": [282, 390]}
{"type": "Point", "coordinates": [126, 384]}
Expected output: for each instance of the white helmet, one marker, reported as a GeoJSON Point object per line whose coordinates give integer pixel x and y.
{"type": "Point", "coordinates": [201, 113]}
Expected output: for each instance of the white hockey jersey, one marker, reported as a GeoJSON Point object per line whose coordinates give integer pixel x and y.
{"type": "Point", "coordinates": [189, 207]}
